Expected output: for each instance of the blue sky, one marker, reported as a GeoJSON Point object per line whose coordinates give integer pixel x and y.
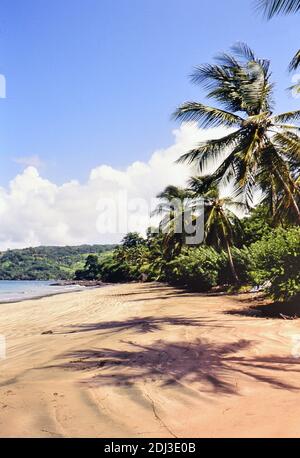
{"type": "Point", "coordinates": [94, 82]}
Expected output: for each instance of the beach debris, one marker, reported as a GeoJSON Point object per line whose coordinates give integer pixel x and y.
{"type": "Point", "coordinates": [47, 333]}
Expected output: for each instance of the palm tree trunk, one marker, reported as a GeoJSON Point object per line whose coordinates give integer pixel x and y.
{"type": "Point", "coordinates": [232, 268]}
{"type": "Point", "coordinates": [294, 203]}
{"type": "Point", "coordinates": [290, 194]}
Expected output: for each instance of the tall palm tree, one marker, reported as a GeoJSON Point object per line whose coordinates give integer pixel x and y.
{"type": "Point", "coordinates": [221, 224]}
{"type": "Point", "coordinates": [260, 142]}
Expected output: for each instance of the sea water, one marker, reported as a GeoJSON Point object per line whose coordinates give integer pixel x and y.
{"type": "Point", "coordinates": [17, 290]}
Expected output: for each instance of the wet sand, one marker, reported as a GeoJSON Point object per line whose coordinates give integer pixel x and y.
{"type": "Point", "coordinates": [146, 360]}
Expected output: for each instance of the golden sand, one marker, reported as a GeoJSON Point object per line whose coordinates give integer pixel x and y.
{"type": "Point", "coordinates": [146, 360]}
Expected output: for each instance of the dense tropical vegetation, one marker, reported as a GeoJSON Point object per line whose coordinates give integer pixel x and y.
{"type": "Point", "coordinates": [46, 263]}
{"type": "Point", "coordinates": [263, 255]}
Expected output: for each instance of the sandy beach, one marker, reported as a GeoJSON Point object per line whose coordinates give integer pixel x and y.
{"type": "Point", "coordinates": [146, 360]}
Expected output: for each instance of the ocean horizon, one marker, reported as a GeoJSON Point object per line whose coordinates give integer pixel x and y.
{"type": "Point", "coordinates": [19, 290]}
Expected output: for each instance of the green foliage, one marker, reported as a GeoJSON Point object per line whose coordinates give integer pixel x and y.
{"type": "Point", "coordinates": [46, 263]}
{"type": "Point", "coordinates": [124, 263]}
{"type": "Point", "coordinates": [257, 225]}
{"type": "Point", "coordinates": [112, 270]}
{"type": "Point", "coordinates": [133, 262]}
{"type": "Point", "coordinates": [242, 262]}
{"type": "Point", "coordinates": [276, 260]}
{"type": "Point", "coordinates": [91, 270]}
{"type": "Point", "coordinates": [195, 268]}
{"type": "Point", "coordinates": [273, 259]}
{"type": "Point", "coordinates": [132, 239]}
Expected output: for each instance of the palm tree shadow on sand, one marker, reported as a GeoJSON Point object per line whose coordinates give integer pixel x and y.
{"type": "Point", "coordinates": [207, 366]}
{"type": "Point", "coordinates": [143, 325]}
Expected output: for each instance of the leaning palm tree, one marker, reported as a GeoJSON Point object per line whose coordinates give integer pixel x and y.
{"type": "Point", "coordinates": [222, 226]}
{"type": "Point", "coordinates": [259, 141]}
{"type": "Point", "coordinates": [273, 7]}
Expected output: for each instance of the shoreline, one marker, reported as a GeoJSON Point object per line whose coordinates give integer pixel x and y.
{"type": "Point", "coordinates": [51, 294]}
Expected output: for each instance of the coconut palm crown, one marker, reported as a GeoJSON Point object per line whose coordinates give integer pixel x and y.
{"type": "Point", "coordinates": [222, 227]}
{"type": "Point", "coordinates": [260, 145]}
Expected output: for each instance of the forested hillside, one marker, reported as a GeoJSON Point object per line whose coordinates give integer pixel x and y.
{"type": "Point", "coordinates": [46, 263]}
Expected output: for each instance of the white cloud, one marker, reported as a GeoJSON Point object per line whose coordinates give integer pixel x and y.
{"type": "Point", "coordinates": [34, 161]}
{"type": "Point", "coordinates": [35, 211]}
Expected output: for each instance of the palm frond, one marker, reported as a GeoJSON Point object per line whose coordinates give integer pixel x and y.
{"type": "Point", "coordinates": [295, 62]}
{"type": "Point", "coordinates": [287, 117]}
{"type": "Point", "coordinates": [199, 185]}
{"type": "Point", "coordinates": [211, 150]}
{"type": "Point", "coordinates": [273, 7]}
{"type": "Point", "coordinates": [295, 89]}
{"type": "Point", "coordinates": [289, 143]}
{"type": "Point", "coordinates": [227, 60]}
{"type": "Point", "coordinates": [288, 127]}
{"type": "Point", "coordinates": [210, 76]}
{"type": "Point", "coordinates": [243, 51]}
{"type": "Point", "coordinates": [173, 192]}
{"type": "Point", "coordinates": [208, 116]}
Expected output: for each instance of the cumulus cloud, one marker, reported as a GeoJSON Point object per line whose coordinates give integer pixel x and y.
{"type": "Point", "coordinates": [35, 211]}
